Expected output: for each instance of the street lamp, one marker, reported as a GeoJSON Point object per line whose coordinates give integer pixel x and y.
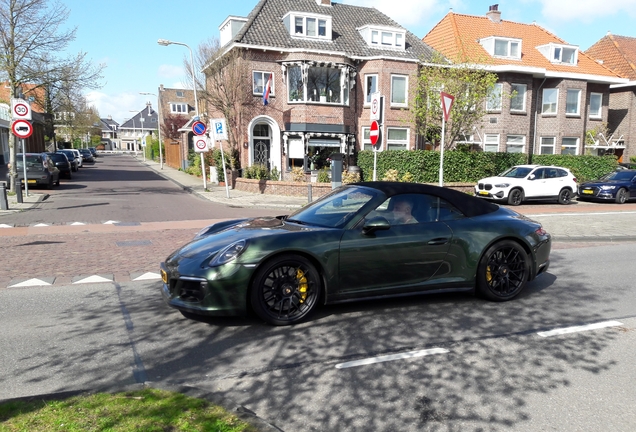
{"type": "Point", "coordinates": [165, 42]}
{"type": "Point", "coordinates": [158, 126]}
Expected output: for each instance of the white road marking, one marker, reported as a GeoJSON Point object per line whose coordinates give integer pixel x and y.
{"type": "Point", "coordinates": [6, 226]}
{"type": "Point", "coordinates": [30, 283]}
{"type": "Point", "coordinates": [148, 276]}
{"type": "Point", "coordinates": [391, 357]}
{"type": "Point", "coordinates": [111, 222]}
{"type": "Point", "coordinates": [93, 279]}
{"type": "Point", "coordinates": [78, 223]}
{"type": "Point", "coordinates": [40, 225]}
{"type": "Point", "coordinates": [576, 329]}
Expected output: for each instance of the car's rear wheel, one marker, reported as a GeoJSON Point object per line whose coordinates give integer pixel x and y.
{"type": "Point", "coordinates": [503, 271]}
{"type": "Point", "coordinates": [565, 196]}
{"type": "Point", "coordinates": [285, 290]}
{"type": "Point", "coordinates": [515, 197]}
{"type": "Point", "coordinates": [57, 182]}
{"type": "Point", "coordinates": [621, 196]}
{"type": "Point", "coordinates": [49, 185]}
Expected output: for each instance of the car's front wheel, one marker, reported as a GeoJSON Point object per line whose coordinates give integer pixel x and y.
{"type": "Point", "coordinates": [503, 271]}
{"type": "Point", "coordinates": [565, 196]}
{"type": "Point", "coordinates": [285, 290]}
{"type": "Point", "coordinates": [515, 197]}
{"type": "Point", "coordinates": [621, 196]}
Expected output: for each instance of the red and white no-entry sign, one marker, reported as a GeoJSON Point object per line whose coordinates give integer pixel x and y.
{"type": "Point", "coordinates": [374, 133]}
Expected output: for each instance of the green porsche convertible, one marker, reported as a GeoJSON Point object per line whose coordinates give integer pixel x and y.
{"type": "Point", "coordinates": [363, 240]}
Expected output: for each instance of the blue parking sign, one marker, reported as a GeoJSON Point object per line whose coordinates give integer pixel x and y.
{"type": "Point", "coordinates": [220, 131]}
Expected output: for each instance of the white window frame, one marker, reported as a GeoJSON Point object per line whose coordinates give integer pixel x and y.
{"type": "Point", "coordinates": [264, 80]}
{"type": "Point", "coordinates": [578, 102]}
{"type": "Point", "coordinates": [489, 141]}
{"type": "Point", "coordinates": [498, 87]}
{"type": "Point", "coordinates": [366, 138]}
{"type": "Point", "coordinates": [318, 19]}
{"type": "Point", "coordinates": [384, 37]}
{"type": "Point", "coordinates": [178, 108]}
{"type": "Point", "coordinates": [570, 146]}
{"type": "Point", "coordinates": [406, 91]}
{"type": "Point", "coordinates": [598, 114]}
{"type": "Point", "coordinates": [544, 144]}
{"type": "Point", "coordinates": [555, 103]}
{"type": "Point", "coordinates": [367, 93]}
{"type": "Point", "coordinates": [180, 93]}
{"type": "Point", "coordinates": [521, 95]}
{"type": "Point", "coordinates": [515, 144]}
{"type": "Point", "coordinates": [509, 44]}
{"type": "Point", "coordinates": [393, 142]}
{"type": "Point", "coordinates": [557, 54]}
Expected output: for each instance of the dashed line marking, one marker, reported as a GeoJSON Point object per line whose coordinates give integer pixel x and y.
{"type": "Point", "coordinates": [391, 357]}
{"type": "Point", "coordinates": [579, 214]}
{"type": "Point", "coordinates": [148, 276]}
{"type": "Point", "coordinates": [575, 329]}
{"type": "Point", "coordinates": [30, 283]}
{"type": "Point", "coordinates": [6, 226]}
{"type": "Point", "coordinates": [93, 279]}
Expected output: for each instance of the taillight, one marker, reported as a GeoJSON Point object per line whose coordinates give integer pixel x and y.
{"type": "Point", "coordinates": [574, 179]}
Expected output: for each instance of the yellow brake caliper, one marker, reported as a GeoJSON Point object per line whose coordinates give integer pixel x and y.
{"type": "Point", "coordinates": [302, 284]}
{"type": "Point", "coordinates": [488, 274]}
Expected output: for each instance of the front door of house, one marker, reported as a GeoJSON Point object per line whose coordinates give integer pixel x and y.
{"type": "Point", "coordinates": [261, 145]}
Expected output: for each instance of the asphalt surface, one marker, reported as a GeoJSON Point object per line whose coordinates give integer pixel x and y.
{"type": "Point", "coordinates": [579, 222]}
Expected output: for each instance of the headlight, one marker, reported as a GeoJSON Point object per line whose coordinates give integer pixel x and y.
{"type": "Point", "coordinates": [502, 185]}
{"type": "Point", "coordinates": [608, 187]}
{"type": "Point", "coordinates": [228, 253]}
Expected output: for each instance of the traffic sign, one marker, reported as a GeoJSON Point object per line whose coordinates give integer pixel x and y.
{"type": "Point", "coordinates": [374, 133]}
{"type": "Point", "coordinates": [219, 128]}
{"type": "Point", "coordinates": [200, 144]}
{"type": "Point", "coordinates": [20, 109]}
{"type": "Point", "coordinates": [198, 128]}
{"type": "Point", "coordinates": [447, 103]}
{"type": "Point", "coordinates": [375, 106]}
{"type": "Point", "coordinates": [22, 128]}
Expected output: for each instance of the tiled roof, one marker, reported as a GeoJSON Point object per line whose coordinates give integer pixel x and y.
{"type": "Point", "coordinates": [618, 53]}
{"type": "Point", "coordinates": [457, 37]}
{"type": "Point", "coordinates": [265, 28]}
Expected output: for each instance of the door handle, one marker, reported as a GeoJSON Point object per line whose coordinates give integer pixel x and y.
{"type": "Point", "coordinates": [438, 241]}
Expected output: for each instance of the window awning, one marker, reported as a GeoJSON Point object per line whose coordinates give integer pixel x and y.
{"type": "Point", "coordinates": [324, 142]}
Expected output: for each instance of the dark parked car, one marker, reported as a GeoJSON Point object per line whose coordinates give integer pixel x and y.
{"type": "Point", "coordinates": [87, 156]}
{"type": "Point", "coordinates": [618, 186]}
{"type": "Point", "coordinates": [72, 157]}
{"type": "Point", "coordinates": [61, 162]}
{"type": "Point", "coordinates": [93, 151]}
{"type": "Point", "coordinates": [353, 244]}
{"type": "Point", "coordinates": [40, 170]}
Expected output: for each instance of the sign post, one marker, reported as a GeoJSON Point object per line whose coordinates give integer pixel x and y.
{"type": "Point", "coordinates": [200, 146]}
{"type": "Point", "coordinates": [219, 130]}
{"type": "Point", "coordinates": [447, 103]}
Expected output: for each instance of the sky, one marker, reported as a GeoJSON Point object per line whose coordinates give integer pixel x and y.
{"type": "Point", "coordinates": [122, 35]}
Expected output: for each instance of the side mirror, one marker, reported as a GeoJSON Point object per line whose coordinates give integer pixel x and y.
{"type": "Point", "coordinates": [377, 223]}
{"type": "Point", "coordinates": [531, 177]}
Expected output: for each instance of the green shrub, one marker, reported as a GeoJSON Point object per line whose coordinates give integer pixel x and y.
{"type": "Point", "coordinates": [390, 175]}
{"type": "Point", "coordinates": [298, 174]}
{"type": "Point", "coordinates": [258, 172]}
{"type": "Point", "coordinates": [350, 177]}
{"type": "Point", "coordinates": [274, 174]}
{"type": "Point", "coordinates": [407, 177]}
{"type": "Point", "coordinates": [194, 166]}
{"type": "Point", "coordinates": [323, 176]}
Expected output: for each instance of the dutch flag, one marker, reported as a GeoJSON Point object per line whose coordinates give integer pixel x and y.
{"type": "Point", "coordinates": [267, 90]}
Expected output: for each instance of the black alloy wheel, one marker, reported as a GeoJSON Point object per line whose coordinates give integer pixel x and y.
{"type": "Point", "coordinates": [503, 271]}
{"type": "Point", "coordinates": [565, 196]}
{"type": "Point", "coordinates": [285, 290]}
{"type": "Point", "coordinates": [621, 196]}
{"type": "Point", "coordinates": [515, 197]}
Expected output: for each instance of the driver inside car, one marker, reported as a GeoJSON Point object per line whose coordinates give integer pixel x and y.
{"type": "Point", "coordinates": [402, 212]}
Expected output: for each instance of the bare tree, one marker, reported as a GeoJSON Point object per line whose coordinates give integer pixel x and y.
{"type": "Point", "coordinates": [31, 33]}
{"type": "Point", "coordinates": [228, 87]}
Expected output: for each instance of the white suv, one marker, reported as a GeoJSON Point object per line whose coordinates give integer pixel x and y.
{"type": "Point", "coordinates": [529, 182]}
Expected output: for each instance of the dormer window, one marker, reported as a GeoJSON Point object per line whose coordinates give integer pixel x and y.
{"type": "Point", "coordinates": [383, 37]}
{"type": "Point", "coordinates": [557, 53]}
{"type": "Point", "coordinates": [308, 25]}
{"type": "Point", "coordinates": [502, 47]}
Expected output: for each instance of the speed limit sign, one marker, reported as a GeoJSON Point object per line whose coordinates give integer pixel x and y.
{"type": "Point", "coordinates": [20, 109]}
{"type": "Point", "coordinates": [200, 144]}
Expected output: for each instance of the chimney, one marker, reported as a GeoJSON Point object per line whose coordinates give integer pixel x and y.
{"type": "Point", "coordinates": [324, 2]}
{"type": "Point", "coordinates": [494, 14]}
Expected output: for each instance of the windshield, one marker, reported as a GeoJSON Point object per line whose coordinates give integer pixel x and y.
{"type": "Point", "coordinates": [516, 172]}
{"type": "Point", "coordinates": [32, 161]}
{"type": "Point", "coordinates": [335, 209]}
{"type": "Point", "coordinates": [618, 175]}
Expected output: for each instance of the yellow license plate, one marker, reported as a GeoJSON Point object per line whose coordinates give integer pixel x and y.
{"type": "Point", "coordinates": [588, 192]}
{"type": "Point", "coordinates": [483, 193]}
{"type": "Point", "coordinates": [164, 276]}
{"type": "Point", "coordinates": [32, 181]}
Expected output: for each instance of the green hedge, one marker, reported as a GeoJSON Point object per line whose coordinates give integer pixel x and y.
{"type": "Point", "coordinates": [468, 167]}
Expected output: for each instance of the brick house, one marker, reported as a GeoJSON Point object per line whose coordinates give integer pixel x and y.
{"type": "Point", "coordinates": [325, 60]}
{"type": "Point", "coordinates": [548, 94]}
{"type": "Point", "coordinates": [618, 53]}
{"type": "Point", "coordinates": [177, 104]}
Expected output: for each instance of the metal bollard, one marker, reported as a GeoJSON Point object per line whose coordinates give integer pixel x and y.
{"type": "Point", "coordinates": [309, 198]}
{"type": "Point", "coordinates": [18, 190]}
{"type": "Point", "coordinates": [4, 203]}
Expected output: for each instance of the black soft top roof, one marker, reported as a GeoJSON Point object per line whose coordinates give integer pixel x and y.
{"type": "Point", "coordinates": [467, 204]}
